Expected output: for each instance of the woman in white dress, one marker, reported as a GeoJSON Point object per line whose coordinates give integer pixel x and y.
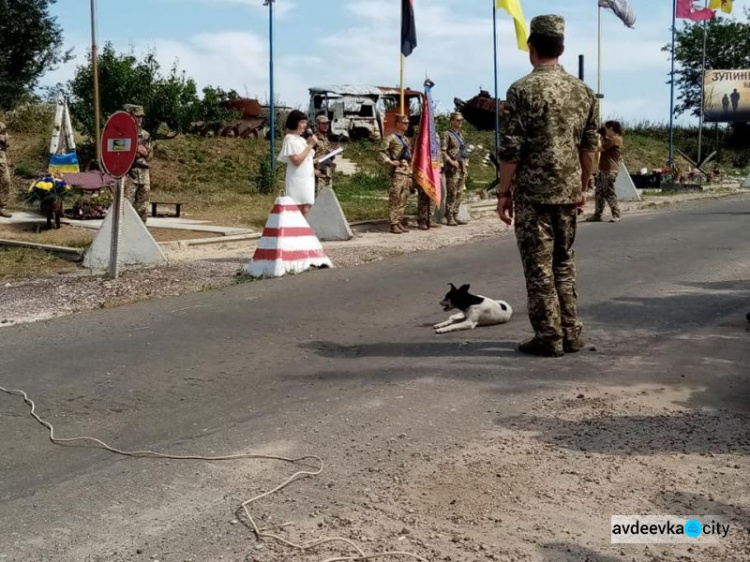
{"type": "Point", "coordinates": [297, 154]}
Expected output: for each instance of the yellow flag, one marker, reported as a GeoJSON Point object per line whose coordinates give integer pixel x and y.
{"type": "Point", "coordinates": [513, 7]}
{"type": "Point", "coordinates": [723, 5]}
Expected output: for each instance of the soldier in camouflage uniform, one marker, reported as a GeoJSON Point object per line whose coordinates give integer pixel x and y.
{"type": "Point", "coordinates": [139, 186]}
{"type": "Point", "coordinates": [456, 161]}
{"type": "Point", "coordinates": [547, 151]}
{"type": "Point", "coordinates": [323, 172]}
{"type": "Point", "coordinates": [5, 184]}
{"type": "Point", "coordinates": [396, 153]}
{"type": "Point", "coordinates": [609, 167]}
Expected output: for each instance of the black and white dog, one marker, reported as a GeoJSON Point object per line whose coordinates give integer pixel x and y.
{"type": "Point", "coordinates": [476, 310]}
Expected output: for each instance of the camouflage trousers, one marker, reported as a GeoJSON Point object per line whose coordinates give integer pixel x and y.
{"type": "Point", "coordinates": [454, 193]}
{"type": "Point", "coordinates": [5, 184]}
{"type": "Point", "coordinates": [138, 190]}
{"type": "Point", "coordinates": [605, 194]}
{"type": "Point", "coordinates": [424, 207]}
{"type": "Point", "coordinates": [398, 196]}
{"type": "Point", "coordinates": [545, 235]}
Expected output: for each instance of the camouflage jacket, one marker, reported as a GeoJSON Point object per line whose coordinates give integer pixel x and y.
{"type": "Point", "coordinates": [4, 141]}
{"type": "Point", "coordinates": [549, 117]}
{"type": "Point", "coordinates": [454, 149]}
{"type": "Point", "coordinates": [144, 139]}
{"type": "Point", "coordinates": [395, 149]}
{"type": "Point", "coordinates": [323, 147]}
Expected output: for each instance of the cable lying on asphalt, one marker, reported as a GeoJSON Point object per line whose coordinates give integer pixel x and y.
{"type": "Point", "coordinates": [260, 534]}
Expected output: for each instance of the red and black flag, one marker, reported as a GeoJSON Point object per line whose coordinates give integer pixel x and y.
{"type": "Point", "coordinates": [408, 28]}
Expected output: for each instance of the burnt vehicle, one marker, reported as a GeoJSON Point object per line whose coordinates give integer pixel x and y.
{"type": "Point", "coordinates": [479, 110]}
{"type": "Point", "coordinates": [363, 112]}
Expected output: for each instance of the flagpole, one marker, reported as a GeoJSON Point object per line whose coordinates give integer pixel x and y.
{"type": "Point", "coordinates": [703, 91]}
{"type": "Point", "coordinates": [272, 107]}
{"type": "Point", "coordinates": [403, 109]}
{"type": "Point", "coordinates": [95, 75]}
{"type": "Point", "coordinates": [671, 95]}
{"type": "Point", "coordinates": [599, 60]}
{"type": "Point", "coordinates": [497, 96]}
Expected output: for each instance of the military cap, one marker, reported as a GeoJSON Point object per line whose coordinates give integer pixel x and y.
{"type": "Point", "coordinates": [457, 115]}
{"type": "Point", "coordinates": [402, 119]}
{"type": "Point", "coordinates": [548, 25]}
{"type": "Point", "coordinates": [322, 119]}
{"type": "Point", "coordinates": [2, 127]}
{"type": "Point", "coordinates": [135, 110]}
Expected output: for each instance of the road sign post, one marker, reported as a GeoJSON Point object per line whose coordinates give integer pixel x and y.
{"type": "Point", "coordinates": [119, 147]}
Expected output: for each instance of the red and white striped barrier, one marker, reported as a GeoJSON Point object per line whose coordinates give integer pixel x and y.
{"type": "Point", "coordinates": [288, 244]}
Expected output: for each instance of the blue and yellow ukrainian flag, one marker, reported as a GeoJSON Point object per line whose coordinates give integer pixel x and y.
{"type": "Point", "coordinates": [64, 163]}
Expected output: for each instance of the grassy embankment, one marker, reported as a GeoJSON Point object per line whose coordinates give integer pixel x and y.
{"type": "Point", "coordinates": [217, 179]}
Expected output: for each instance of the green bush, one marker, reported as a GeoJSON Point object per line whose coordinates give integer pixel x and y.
{"type": "Point", "coordinates": [267, 178]}
{"type": "Point", "coordinates": [26, 170]}
{"type": "Point", "coordinates": [31, 118]}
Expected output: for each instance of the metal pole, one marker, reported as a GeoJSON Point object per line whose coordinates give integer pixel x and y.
{"type": "Point", "coordinates": [703, 92]}
{"type": "Point", "coordinates": [95, 74]}
{"type": "Point", "coordinates": [272, 106]}
{"type": "Point", "coordinates": [581, 68]}
{"type": "Point", "coordinates": [497, 96]}
{"type": "Point", "coordinates": [671, 95]}
{"type": "Point", "coordinates": [599, 95]}
{"type": "Point", "coordinates": [114, 250]}
{"type": "Point", "coordinates": [403, 101]}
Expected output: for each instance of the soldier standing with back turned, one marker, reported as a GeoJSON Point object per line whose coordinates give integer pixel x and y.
{"type": "Point", "coordinates": [5, 184]}
{"type": "Point", "coordinates": [139, 186]}
{"type": "Point", "coordinates": [547, 152]}
{"type": "Point", "coordinates": [396, 153]}
{"type": "Point", "coordinates": [456, 161]}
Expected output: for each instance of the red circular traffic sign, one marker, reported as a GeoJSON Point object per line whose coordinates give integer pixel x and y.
{"type": "Point", "coordinates": [119, 144]}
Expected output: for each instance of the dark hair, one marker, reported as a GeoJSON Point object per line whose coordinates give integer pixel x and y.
{"type": "Point", "coordinates": [615, 126]}
{"type": "Point", "coordinates": [293, 119]}
{"type": "Point", "coordinates": [547, 46]}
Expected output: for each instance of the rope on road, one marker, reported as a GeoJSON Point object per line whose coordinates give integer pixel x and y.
{"type": "Point", "coordinates": [260, 534]}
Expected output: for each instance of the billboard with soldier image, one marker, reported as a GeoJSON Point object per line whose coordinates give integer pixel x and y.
{"type": "Point", "coordinates": [727, 96]}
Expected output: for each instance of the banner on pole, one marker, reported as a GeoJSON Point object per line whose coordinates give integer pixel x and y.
{"type": "Point", "coordinates": [408, 28]}
{"type": "Point", "coordinates": [726, 96]}
{"type": "Point", "coordinates": [622, 9]}
{"type": "Point", "coordinates": [426, 163]}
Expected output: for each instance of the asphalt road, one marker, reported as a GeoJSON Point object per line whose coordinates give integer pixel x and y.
{"type": "Point", "coordinates": [309, 363]}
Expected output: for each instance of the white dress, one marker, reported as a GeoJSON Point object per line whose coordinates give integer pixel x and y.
{"type": "Point", "coordinates": [300, 180]}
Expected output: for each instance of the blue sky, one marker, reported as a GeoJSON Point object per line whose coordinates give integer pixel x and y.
{"type": "Point", "coordinates": [225, 43]}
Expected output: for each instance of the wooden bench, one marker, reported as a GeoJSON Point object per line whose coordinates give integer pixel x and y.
{"type": "Point", "coordinates": [155, 204]}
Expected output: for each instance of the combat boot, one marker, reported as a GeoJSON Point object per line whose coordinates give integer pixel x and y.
{"type": "Point", "coordinates": [573, 346]}
{"type": "Point", "coordinates": [460, 222]}
{"type": "Point", "coordinates": [5, 214]}
{"type": "Point", "coordinates": [594, 218]}
{"type": "Point", "coordinates": [535, 346]}
{"type": "Point", "coordinates": [451, 220]}
{"type": "Point", "coordinates": [396, 229]}
{"type": "Point", "coordinates": [423, 226]}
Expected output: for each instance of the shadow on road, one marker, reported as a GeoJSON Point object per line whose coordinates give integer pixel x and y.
{"type": "Point", "coordinates": [685, 432]}
{"type": "Point", "coordinates": [676, 310]}
{"type": "Point", "coordinates": [566, 552]}
{"type": "Point", "coordinates": [686, 503]}
{"type": "Point", "coordinates": [446, 348]}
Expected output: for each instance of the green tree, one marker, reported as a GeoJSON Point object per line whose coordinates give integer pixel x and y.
{"type": "Point", "coordinates": [123, 78]}
{"type": "Point", "coordinates": [727, 47]}
{"type": "Point", "coordinates": [30, 44]}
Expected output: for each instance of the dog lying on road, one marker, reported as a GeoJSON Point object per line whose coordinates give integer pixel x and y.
{"type": "Point", "coordinates": [476, 310]}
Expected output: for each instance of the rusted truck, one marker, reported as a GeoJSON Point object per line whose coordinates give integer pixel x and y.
{"type": "Point", "coordinates": [363, 112]}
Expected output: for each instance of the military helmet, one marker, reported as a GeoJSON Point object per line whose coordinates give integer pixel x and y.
{"type": "Point", "coordinates": [322, 119]}
{"type": "Point", "coordinates": [135, 110]}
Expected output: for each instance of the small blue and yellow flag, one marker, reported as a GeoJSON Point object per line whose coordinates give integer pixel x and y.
{"type": "Point", "coordinates": [64, 163]}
